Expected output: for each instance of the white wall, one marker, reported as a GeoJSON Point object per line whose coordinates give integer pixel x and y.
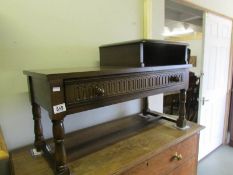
{"type": "Point", "coordinates": [51, 34]}
{"type": "Point", "coordinates": [157, 24]}
{"type": "Point", "coordinates": [221, 6]}
{"type": "Point", "coordinates": [158, 19]}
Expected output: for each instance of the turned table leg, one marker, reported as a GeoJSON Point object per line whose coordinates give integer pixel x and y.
{"type": "Point", "coordinates": [60, 152]}
{"type": "Point", "coordinates": [39, 138]}
{"type": "Point", "coordinates": [181, 122]}
{"type": "Point", "coordinates": [145, 109]}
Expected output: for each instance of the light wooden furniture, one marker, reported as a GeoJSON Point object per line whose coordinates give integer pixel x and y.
{"type": "Point", "coordinates": [3, 148]}
{"type": "Point", "coordinates": [4, 155]}
{"type": "Point", "coordinates": [136, 146]}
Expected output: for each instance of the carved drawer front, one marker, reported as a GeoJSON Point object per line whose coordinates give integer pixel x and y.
{"type": "Point", "coordinates": [169, 159]}
{"type": "Point", "coordinates": [91, 89]}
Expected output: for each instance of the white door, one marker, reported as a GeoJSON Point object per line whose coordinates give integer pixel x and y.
{"type": "Point", "coordinates": [217, 40]}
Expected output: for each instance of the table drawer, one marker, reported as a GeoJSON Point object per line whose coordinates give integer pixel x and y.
{"type": "Point", "coordinates": [166, 161]}
{"type": "Point", "coordinates": [91, 89]}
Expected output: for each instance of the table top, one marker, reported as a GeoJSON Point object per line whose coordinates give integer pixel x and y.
{"type": "Point", "coordinates": [95, 71]}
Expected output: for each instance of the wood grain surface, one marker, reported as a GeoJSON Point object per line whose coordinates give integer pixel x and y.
{"type": "Point", "coordinates": [3, 148]}
{"type": "Point", "coordinates": [116, 158]}
{"type": "Point", "coordinates": [165, 162]}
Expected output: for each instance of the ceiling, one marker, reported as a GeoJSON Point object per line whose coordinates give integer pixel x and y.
{"type": "Point", "coordinates": [181, 13]}
{"type": "Point", "coordinates": [181, 19]}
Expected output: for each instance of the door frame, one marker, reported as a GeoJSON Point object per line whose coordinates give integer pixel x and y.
{"type": "Point", "coordinates": [228, 100]}
{"type": "Point", "coordinates": [230, 72]}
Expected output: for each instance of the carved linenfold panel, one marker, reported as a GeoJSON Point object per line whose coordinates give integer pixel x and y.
{"type": "Point", "coordinates": [83, 90]}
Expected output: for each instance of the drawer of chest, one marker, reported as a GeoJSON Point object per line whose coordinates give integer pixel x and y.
{"type": "Point", "coordinates": [188, 168]}
{"type": "Point", "coordinates": [167, 160]}
{"type": "Point", "coordinates": [91, 89]}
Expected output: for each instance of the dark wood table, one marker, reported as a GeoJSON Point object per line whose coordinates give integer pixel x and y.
{"type": "Point", "coordinates": [66, 91]}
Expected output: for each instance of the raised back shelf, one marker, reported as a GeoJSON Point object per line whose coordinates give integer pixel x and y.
{"type": "Point", "coordinates": [144, 53]}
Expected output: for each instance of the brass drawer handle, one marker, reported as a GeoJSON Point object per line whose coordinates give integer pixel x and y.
{"type": "Point", "coordinates": [177, 156]}
{"type": "Point", "coordinates": [174, 79]}
{"type": "Point", "coordinates": [99, 91]}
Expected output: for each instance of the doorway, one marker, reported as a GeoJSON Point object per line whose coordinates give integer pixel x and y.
{"type": "Point", "coordinates": [209, 37]}
{"type": "Point", "coordinates": [184, 24]}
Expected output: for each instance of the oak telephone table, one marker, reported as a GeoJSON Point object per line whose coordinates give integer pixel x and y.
{"type": "Point", "coordinates": [66, 91]}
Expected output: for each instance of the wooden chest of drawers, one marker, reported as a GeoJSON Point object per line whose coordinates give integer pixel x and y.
{"type": "Point", "coordinates": [157, 149]}
{"type": "Point", "coordinates": [179, 155]}
{"type": "Point", "coordinates": [4, 155]}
